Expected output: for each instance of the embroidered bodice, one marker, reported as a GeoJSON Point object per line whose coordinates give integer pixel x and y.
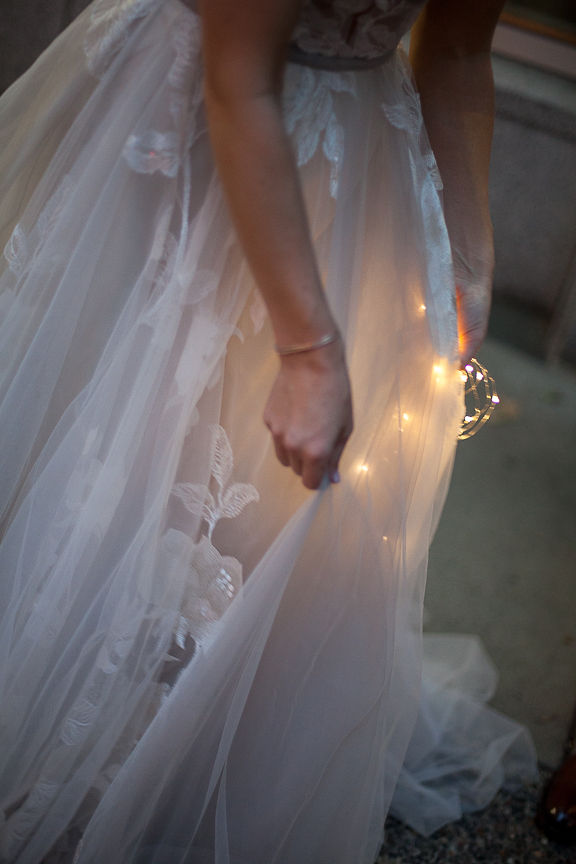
{"type": "Point", "coordinates": [354, 28]}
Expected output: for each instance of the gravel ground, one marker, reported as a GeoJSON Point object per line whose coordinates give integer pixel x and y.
{"type": "Point", "coordinates": [504, 833]}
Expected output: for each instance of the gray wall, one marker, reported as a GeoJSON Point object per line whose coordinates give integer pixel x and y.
{"type": "Point", "coordinates": [533, 198]}
{"type": "Point", "coordinates": [26, 28]}
{"type": "Point", "coordinates": [533, 193]}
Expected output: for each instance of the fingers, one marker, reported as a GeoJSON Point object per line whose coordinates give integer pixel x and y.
{"type": "Point", "coordinates": [309, 416]}
{"type": "Point", "coordinates": [296, 464]}
{"type": "Point", "coordinates": [281, 452]}
{"type": "Point", "coordinates": [469, 341]}
{"type": "Point", "coordinates": [333, 472]}
{"type": "Point", "coordinates": [313, 472]}
{"type": "Point", "coordinates": [311, 465]}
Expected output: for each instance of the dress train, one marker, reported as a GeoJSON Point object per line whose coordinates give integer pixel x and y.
{"type": "Point", "coordinates": [200, 661]}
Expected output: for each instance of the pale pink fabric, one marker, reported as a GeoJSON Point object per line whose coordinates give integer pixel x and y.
{"type": "Point", "coordinates": [200, 661]}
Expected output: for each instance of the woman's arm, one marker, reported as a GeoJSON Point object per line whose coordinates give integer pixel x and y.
{"type": "Point", "coordinates": [309, 409]}
{"type": "Point", "coordinates": [450, 54]}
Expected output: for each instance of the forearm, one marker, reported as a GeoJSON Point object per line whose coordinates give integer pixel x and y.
{"type": "Point", "coordinates": [260, 179]}
{"type": "Point", "coordinates": [309, 410]}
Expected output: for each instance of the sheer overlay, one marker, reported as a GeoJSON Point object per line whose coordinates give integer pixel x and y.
{"type": "Point", "coordinates": [200, 661]}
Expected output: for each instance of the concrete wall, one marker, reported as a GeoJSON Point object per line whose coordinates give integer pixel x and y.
{"type": "Point", "coordinates": [533, 194]}
{"type": "Point", "coordinates": [533, 198]}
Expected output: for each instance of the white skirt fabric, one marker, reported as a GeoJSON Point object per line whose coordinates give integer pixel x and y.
{"type": "Point", "coordinates": [201, 662]}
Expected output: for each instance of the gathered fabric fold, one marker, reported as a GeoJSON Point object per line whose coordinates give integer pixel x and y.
{"type": "Point", "coordinates": [200, 660]}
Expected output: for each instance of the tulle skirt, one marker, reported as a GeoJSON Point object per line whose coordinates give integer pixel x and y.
{"type": "Point", "coordinates": [200, 660]}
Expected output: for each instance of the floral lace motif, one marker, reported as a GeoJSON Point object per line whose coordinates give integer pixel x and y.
{"type": "Point", "coordinates": [310, 116]}
{"type": "Point", "coordinates": [153, 151]}
{"type": "Point", "coordinates": [16, 250]}
{"type": "Point", "coordinates": [161, 150]}
{"type": "Point", "coordinates": [24, 245]}
{"type": "Point", "coordinates": [21, 823]}
{"type": "Point", "coordinates": [215, 579]}
{"type": "Point", "coordinates": [354, 28]}
{"type": "Point", "coordinates": [186, 90]}
{"type": "Point", "coordinates": [407, 116]}
{"type": "Point", "coordinates": [110, 25]}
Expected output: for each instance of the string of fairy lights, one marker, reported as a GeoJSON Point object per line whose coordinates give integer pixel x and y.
{"type": "Point", "coordinates": [480, 397]}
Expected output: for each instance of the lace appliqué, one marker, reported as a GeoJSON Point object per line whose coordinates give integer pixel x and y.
{"type": "Point", "coordinates": [16, 250]}
{"type": "Point", "coordinates": [24, 245]}
{"type": "Point", "coordinates": [215, 579]}
{"type": "Point", "coordinates": [310, 116]}
{"type": "Point", "coordinates": [18, 826]}
{"type": "Point", "coordinates": [109, 28]}
{"type": "Point", "coordinates": [171, 286]}
{"type": "Point", "coordinates": [353, 28]}
{"type": "Point", "coordinates": [406, 114]}
{"type": "Point", "coordinates": [155, 150]}
{"type": "Point", "coordinates": [80, 722]}
{"type": "Point", "coordinates": [186, 89]}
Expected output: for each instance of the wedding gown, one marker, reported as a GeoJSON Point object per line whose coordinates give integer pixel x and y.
{"type": "Point", "coordinates": [200, 660]}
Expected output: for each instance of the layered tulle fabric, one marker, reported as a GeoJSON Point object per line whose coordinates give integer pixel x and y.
{"type": "Point", "coordinates": [200, 661]}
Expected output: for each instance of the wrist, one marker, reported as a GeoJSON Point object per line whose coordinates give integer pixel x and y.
{"type": "Point", "coordinates": [299, 323]}
{"type": "Point", "coordinates": [322, 358]}
{"type": "Point", "coordinates": [287, 350]}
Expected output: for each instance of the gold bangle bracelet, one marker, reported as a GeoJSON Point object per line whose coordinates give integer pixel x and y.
{"type": "Point", "coordinates": [300, 348]}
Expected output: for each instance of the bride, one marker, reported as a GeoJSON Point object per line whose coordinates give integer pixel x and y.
{"type": "Point", "coordinates": [209, 213]}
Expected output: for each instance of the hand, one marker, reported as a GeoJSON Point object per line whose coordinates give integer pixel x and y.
{"type": "Point", "coordinates": [473, 298]}
{"type": "Point", "coordinates": [473, 302]}
{"type": "Point", "coordinates": [309, 413]}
